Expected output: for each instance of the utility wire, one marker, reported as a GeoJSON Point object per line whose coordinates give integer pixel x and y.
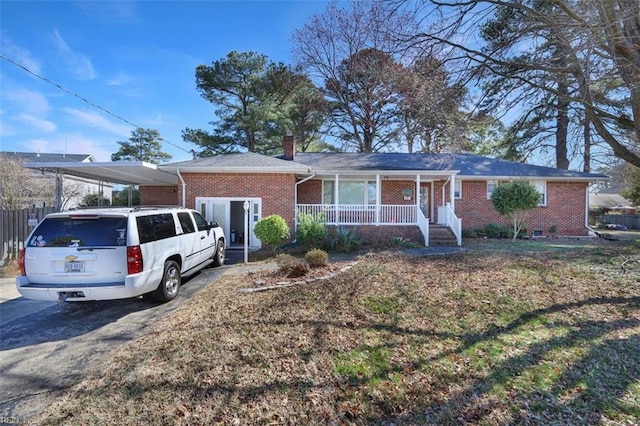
{"type": "Point", "coordinates": [93, 104]}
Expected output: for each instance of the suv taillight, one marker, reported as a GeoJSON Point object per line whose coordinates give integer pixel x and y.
{"type": "Point", "coordinates": [134, 260]}
{"type": "Point", "coordinates": [23, 270]}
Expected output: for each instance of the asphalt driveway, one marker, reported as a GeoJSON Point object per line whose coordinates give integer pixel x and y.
{"type": "Point", "coordinates": [46, 347]}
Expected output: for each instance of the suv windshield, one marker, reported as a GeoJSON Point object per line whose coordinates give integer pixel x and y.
{"type": "Point", "coordinates": [67, 232]}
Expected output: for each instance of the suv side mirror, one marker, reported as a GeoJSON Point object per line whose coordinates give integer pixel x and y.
{"type": "Point", "coordinates": [213, 224]}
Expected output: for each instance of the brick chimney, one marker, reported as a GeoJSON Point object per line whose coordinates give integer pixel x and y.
{"type": "Point", "coordinates": [289, 146]}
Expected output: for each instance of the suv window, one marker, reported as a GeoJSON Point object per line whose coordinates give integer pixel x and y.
{"type": "Point", "coordinates": [200, 222]}
{"type": "Point", "coordinates": [186, 223]}
{"type": "Point", "coordinates": [67, 232]}
{"type": "Point", "coordinates": [155, 227]}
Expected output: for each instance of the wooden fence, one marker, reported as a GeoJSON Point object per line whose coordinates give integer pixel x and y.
{"type": "Point", "coordinates": [15, 226]}
{"type": "Point", "coordinates": [631, 221]}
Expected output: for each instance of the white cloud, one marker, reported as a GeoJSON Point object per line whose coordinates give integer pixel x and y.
{"type": "Point", "coordinates": [25, 100]}
{"type": "Point", "coordinates": [36, 123]}
{"type": "Point", "coordinates": [73, 143]}
{"type": "Point", "coordinates": [98, 121]}
{"type": "Point", "coordinates": [121, 79]}
{"type": "Point", "coordinates": [19, 55]}
{"type": "Point", "coordinates": [79, 64]}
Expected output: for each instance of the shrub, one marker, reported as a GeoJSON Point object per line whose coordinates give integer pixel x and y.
{"type": "Point", "coordinates": [298, 269]}
{"type": "Point", "coordinates": [311, 231]}
{"type": "Point", "coordinates": [345, 240]}
{"type": "Point", "coordinates": [291, 266]}
{"type": "Point", "coordinates": [493, 230]}
{"type": "Point", "coordinates": [404, 242]}
{"type": "Point", "coordinates": [316, 258]}
{"type": "Point", "coordinates": [272, 231]}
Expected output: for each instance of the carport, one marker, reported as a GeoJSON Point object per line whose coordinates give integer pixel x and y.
{"type": "Point", "coordinates": [117, 172]}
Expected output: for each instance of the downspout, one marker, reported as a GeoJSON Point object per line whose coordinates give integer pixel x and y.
{"type": "Point", "coordinates": [184, 189]}
{"type": "Point", "coordinates": [295, 198]}
{"type": "Point", "coordinates": [443, 187]}
{"type": "Point", "coordinates": [586, 212]}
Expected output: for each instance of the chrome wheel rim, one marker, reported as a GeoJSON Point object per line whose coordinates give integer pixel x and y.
{"type": "Point", "coordinates": [171, 282]}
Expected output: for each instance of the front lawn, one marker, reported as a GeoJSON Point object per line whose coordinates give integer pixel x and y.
{"type": "Point", "coordinates": [531, 332]}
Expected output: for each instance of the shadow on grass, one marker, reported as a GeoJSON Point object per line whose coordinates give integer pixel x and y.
{"type": "Point", "coordinates": [589, 387]}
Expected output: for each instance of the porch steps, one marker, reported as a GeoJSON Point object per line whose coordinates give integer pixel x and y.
{"type": "Point", "coordinates": [441, 236]}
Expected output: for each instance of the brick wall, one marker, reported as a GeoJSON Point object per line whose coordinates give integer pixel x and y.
{"type": "Point", "coordinates": [159, 195]}
{"type": "Point", "coordinates": [565, 209]}
{"type": "Point", "coordinates": [275, 190]}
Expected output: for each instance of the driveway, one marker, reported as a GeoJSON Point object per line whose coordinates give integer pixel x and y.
{"type": "Point", "coordinates": [46, 347]}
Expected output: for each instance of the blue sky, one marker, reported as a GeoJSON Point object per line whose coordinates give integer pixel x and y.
{"type": "Point", "coordinates": [136, 60]}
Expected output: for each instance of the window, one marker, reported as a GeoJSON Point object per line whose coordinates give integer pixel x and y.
{"type": "Point", "coordinates": [155, 227]}
{"type": "Point", "coordinates": [491, 186]}
{"type": "Point", "coordinates": [200, 222]}
{"type": "Point", "coordinates": [186, 223]}
{"type": "Point", "coordinates": [66, 232]}
{"type": "Point", "coordinates": [541, 187]}
{"type": "Point", "coordinates": [351, 192]}
{"type": "Point", "coordinates": [457, 189]}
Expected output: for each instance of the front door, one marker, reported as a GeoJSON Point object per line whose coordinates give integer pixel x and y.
{"type": "Point", "coordinates": [424, 200]}
{"type": "Point", "coordinates": [230, 215]}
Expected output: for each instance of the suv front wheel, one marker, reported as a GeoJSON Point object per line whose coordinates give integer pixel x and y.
{"type": "Point", "coordinates": [218, 256]}
{"type": "Point", "coordinates": [170, 283]}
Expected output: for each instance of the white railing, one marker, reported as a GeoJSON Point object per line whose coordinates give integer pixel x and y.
{"type": "Point", "coordinates": [446, 216]}
{"type": "Point", "coordinates": [361, 214]}
{"type": "Point", "coordinates": [423, 224]}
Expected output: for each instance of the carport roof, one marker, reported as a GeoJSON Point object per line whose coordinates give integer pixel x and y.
{"type": "Point", "coordinates": [123, 172]}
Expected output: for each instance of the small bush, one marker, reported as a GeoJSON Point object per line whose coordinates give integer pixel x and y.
{"type": "Point", "coordinates": [492, 230]}
{"type": "Point", "coordinates": [316, 258]}
{"type": "Point", "coordinates": [404, 242]}
{"type": "Point", "coordinates": [285, 262]}
{"type": "Point", "coordinates": [272, 231]}
{"type": "Point", "coordinates": [298, 269]}
{"type": "Point", "coordinates": [291, 266]}
{"type": "Point", "coordinates": [469, 233]}
{"type": "Point", "coordinates": [345, 240]}
{"type": "Point", "coordinates": [311, 231]}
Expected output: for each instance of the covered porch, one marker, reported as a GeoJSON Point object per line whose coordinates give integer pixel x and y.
{"type": "Point", "coordinates": [389, 199]}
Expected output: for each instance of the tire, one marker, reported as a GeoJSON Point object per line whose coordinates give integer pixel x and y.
{"type": "Point", "coordinates": [170, 284]}
{"type": "Point", "coordinates": [219, 255]}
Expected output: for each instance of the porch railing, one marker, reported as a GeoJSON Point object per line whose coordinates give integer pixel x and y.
{"type": "Point", "coordinates": [361, 214]}
{"type": "Point", "coordinates": [446, 216]}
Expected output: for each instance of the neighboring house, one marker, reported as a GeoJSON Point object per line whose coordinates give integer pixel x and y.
{"type": "Point", "coordinates": [609, 198]}
{"type": "Point", "coordinates": [73, 188]}
{"type": "Point", "coordinates": [383, 194]}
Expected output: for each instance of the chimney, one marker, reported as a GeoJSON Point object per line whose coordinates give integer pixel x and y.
{"type": "Point", "coordinates": [289, 146]}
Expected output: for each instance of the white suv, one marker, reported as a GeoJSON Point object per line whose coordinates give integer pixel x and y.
{"type": "Point", "coordinates": [116, 253]}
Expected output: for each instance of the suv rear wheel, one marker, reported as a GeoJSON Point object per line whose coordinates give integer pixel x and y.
{"type": "Point", "coordinates": [170, 283]}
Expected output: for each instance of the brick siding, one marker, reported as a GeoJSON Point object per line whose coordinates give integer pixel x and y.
{"type": "Point", "coordinates": [565, 209]}
{"type": "Point", "coordinates": [159, 195]}
{"type": "Point", "coordinates": [275, 190]}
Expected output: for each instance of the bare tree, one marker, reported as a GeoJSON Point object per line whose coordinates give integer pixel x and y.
{"type": "Point", "coordinates": [597, 43]}
{"type": "Point", "coordinates": [352, 52]}
{"type": "Point", "coordinates": [21, 188]}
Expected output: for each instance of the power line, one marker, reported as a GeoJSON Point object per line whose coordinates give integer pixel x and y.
{"type": "Point", "coordinates": [93, 104]}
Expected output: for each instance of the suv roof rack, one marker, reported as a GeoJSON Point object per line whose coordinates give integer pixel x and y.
{"type": "Point", "coordinates": [130, 208]}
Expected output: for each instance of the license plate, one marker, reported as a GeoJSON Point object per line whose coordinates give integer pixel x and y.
{"type": "Point", "coordinates": [74, 266]}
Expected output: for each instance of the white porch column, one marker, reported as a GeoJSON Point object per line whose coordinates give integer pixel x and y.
{"type": "Point", "coordinates": [452, 192]}
{"type": "Point", "coordinates": [336, 192]}
{"type": "Point", "coordinates": [417, 196]}
{"type": "Point", "coordinates": [378, 197]}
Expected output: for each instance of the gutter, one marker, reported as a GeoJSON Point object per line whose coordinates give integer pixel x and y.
{"type": "Point", "coordinates": [295, 199]}
{"type": "Point", "coordinates": [184, 188]}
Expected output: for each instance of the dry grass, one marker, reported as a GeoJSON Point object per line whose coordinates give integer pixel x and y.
{"type": "Point", "coordinates": [541, 332]}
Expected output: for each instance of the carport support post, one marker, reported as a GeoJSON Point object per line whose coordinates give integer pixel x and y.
{"type": "Point", "coordinates": [246, 231]}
